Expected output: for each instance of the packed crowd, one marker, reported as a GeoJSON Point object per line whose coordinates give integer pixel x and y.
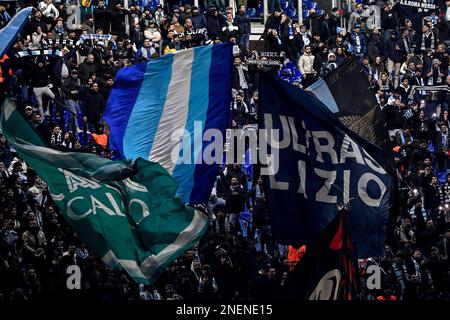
{"type": "Point", "coordinates": [61, 74]}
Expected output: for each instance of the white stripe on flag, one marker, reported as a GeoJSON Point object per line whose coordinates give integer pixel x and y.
{"type": "Point", "coordinates": [110, 259]}
{"type": "Point", "coordinates": [10, 107]}
{"type": "Point", "coordinates": [175, 111]}
{"type": "Point", "coordinates": [186, 237]}
{"type": "Point", "coordinates": [132, 268]}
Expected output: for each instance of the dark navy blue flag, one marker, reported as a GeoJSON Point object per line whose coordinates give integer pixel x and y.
{"type": "Point", "coordinates": [322, 167]}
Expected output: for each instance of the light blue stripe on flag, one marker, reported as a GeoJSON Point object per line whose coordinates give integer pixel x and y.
{"type": "Point", "coordinates": [146, 114]}
{"type": "Point", "coordinates": [198, 108]}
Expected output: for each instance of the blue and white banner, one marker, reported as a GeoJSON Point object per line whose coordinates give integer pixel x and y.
{"type": "Point", "coordinates": [322, 166]}
{"type": "Point", "coordinates": [153, 100]}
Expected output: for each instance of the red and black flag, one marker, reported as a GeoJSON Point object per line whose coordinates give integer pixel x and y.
{"type": "Point", "coordinates": [328, 270]}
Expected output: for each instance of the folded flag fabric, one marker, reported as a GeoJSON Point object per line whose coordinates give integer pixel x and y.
{"type": "Point", "coordinates": [357, 113]}
{"type": "Point", "coordinates": [126, 211]}
{"type": "Point", "coordinates": [9, 33]}
{"type": "Point", "coordinates": [151, 103]}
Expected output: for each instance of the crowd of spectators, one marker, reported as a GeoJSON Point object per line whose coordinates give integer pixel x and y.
{"type": "Point", "coordinates": [60, 74]}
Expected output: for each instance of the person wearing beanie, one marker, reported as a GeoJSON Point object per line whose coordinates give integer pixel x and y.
{"type": "Point", "coordinates": [328, 65]}
{"type": "Point", "coordinates": [435, 75]}
{"type": "Point", "coordinates": [88, 24]}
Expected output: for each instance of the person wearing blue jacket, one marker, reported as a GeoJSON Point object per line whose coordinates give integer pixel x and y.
{"type": "Point", "coordinates": [358, 41]}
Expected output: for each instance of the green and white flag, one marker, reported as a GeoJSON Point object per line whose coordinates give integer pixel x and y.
{"type": "Point", "coordinates": [126, 211]}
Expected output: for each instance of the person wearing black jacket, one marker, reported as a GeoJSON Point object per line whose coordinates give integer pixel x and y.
{"type": "Point", "coordinates": [102, 17]}
{"type": "Point", "coordinates": [235, 203]}
{"type": "Point", "coordinates": [441, 146]}
{"type": "Point", "coordinates": [243, 21]}
{"type": "Point", "coordinates": [87, 68]}
{"type": "Point", "coordinates": [42, 127]}
{"type": "Point", "coordinates": [272, 24]}
{"type": "Point", "coordinates": [41, 84]}
{"type": "Point", "coordinates": [324, 28]}
{"type": "Point", "coordinates": [93, 105]}
{"type": "Point", "coordinates": [71, 88]}
{"type": "Point", "coordinates": [334, 21]}
{"type": "Point", "coordinates": [37, 21]}
{"type": "Point", "coordinates": [118, 18]}
{"type": "Point", "coordinates": [230, 29]}
{"type": "Point", "coordinates": [214, 20]}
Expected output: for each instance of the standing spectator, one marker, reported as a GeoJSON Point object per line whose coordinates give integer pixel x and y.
{"type": "Point", "coordinates": [153, 33]}
{"type": "Point", "coordinates": [434, 75]}
{"type": "Point", "coordinates": [305, 65]}
{"type": "Point", "coordinates": [374, 45]}
{"type": "Point", "coordinates": [93, 105]}
{"type": "Point", "coordinates": [136, 35]}
{"type": "Point", "coordinates": [427, 39]}
{"type": "Point", "coordinates": [240, 76]}
{"type": "Point", "coordinates": [444, 245]}
{"type": "Point", "coordinates": [243, 22]}
{"type": "Point", "coordinates": [306, 38]}
{"type": "Point", "coordinates": [34, 241]}
{"type": "Point", "coordinates": [117, 17]}
{"type": "Point", "coordinates": [239, 111]}
{"type": "Point", "coordinates": [214, 22]}
{"type": "Point", "coordinates": [235, 202]}
{"type": "Point", "coordinates": [87, 68]}
{"type": "Point", "coordinates": [358, 41]}
{"type": "Point", "coordinates": [102, 17]}
{"type": "Point", "coordinates": [358, 17]}
{"type": "Point", "coordinates": [49, 11]}
{"type": "Point", "coordinates": [5, 152]}
{"type": "Point", "coordinates": [57, 137]}
{"type": "Point", "coordinates": [442, 143]}
{"type": "Point", "coordinates": [328, 65]}
{"type": "Point", "coordinates": [433, 196]}
{"type": "Point", "coordinates": [88, 24]}
{"type": "Point", "coordinates": [41, 85]}
{"type": "Point", "coordinates": [230, 29]}
{"type": "Point", "coordinates": [394, 58]}
{"type": "Point", "coordinates": [198, 19]}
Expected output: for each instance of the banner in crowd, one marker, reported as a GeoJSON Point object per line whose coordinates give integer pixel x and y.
{"type": "Point", "coordinates": [126, 211]}
{"type": "Point", "coordinates": [9, 33]}
{"type": "Point", "coordinates": [151, 101]}
{"type": "Point", "coordinates": [423, 4]}
{"type": "Point", "coordinates": [322, 165]}
{"type": "Point", "coordinates": [328, 269]}
{"type": "Point", "coordinates": [349, 80]}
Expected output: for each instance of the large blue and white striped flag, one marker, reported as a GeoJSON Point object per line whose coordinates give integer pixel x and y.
{"type": "Point", "coordinates": [151, 101]}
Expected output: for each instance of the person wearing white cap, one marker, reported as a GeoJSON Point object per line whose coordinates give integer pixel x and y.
{"type": "Point", "coordinates": [328, 65]}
